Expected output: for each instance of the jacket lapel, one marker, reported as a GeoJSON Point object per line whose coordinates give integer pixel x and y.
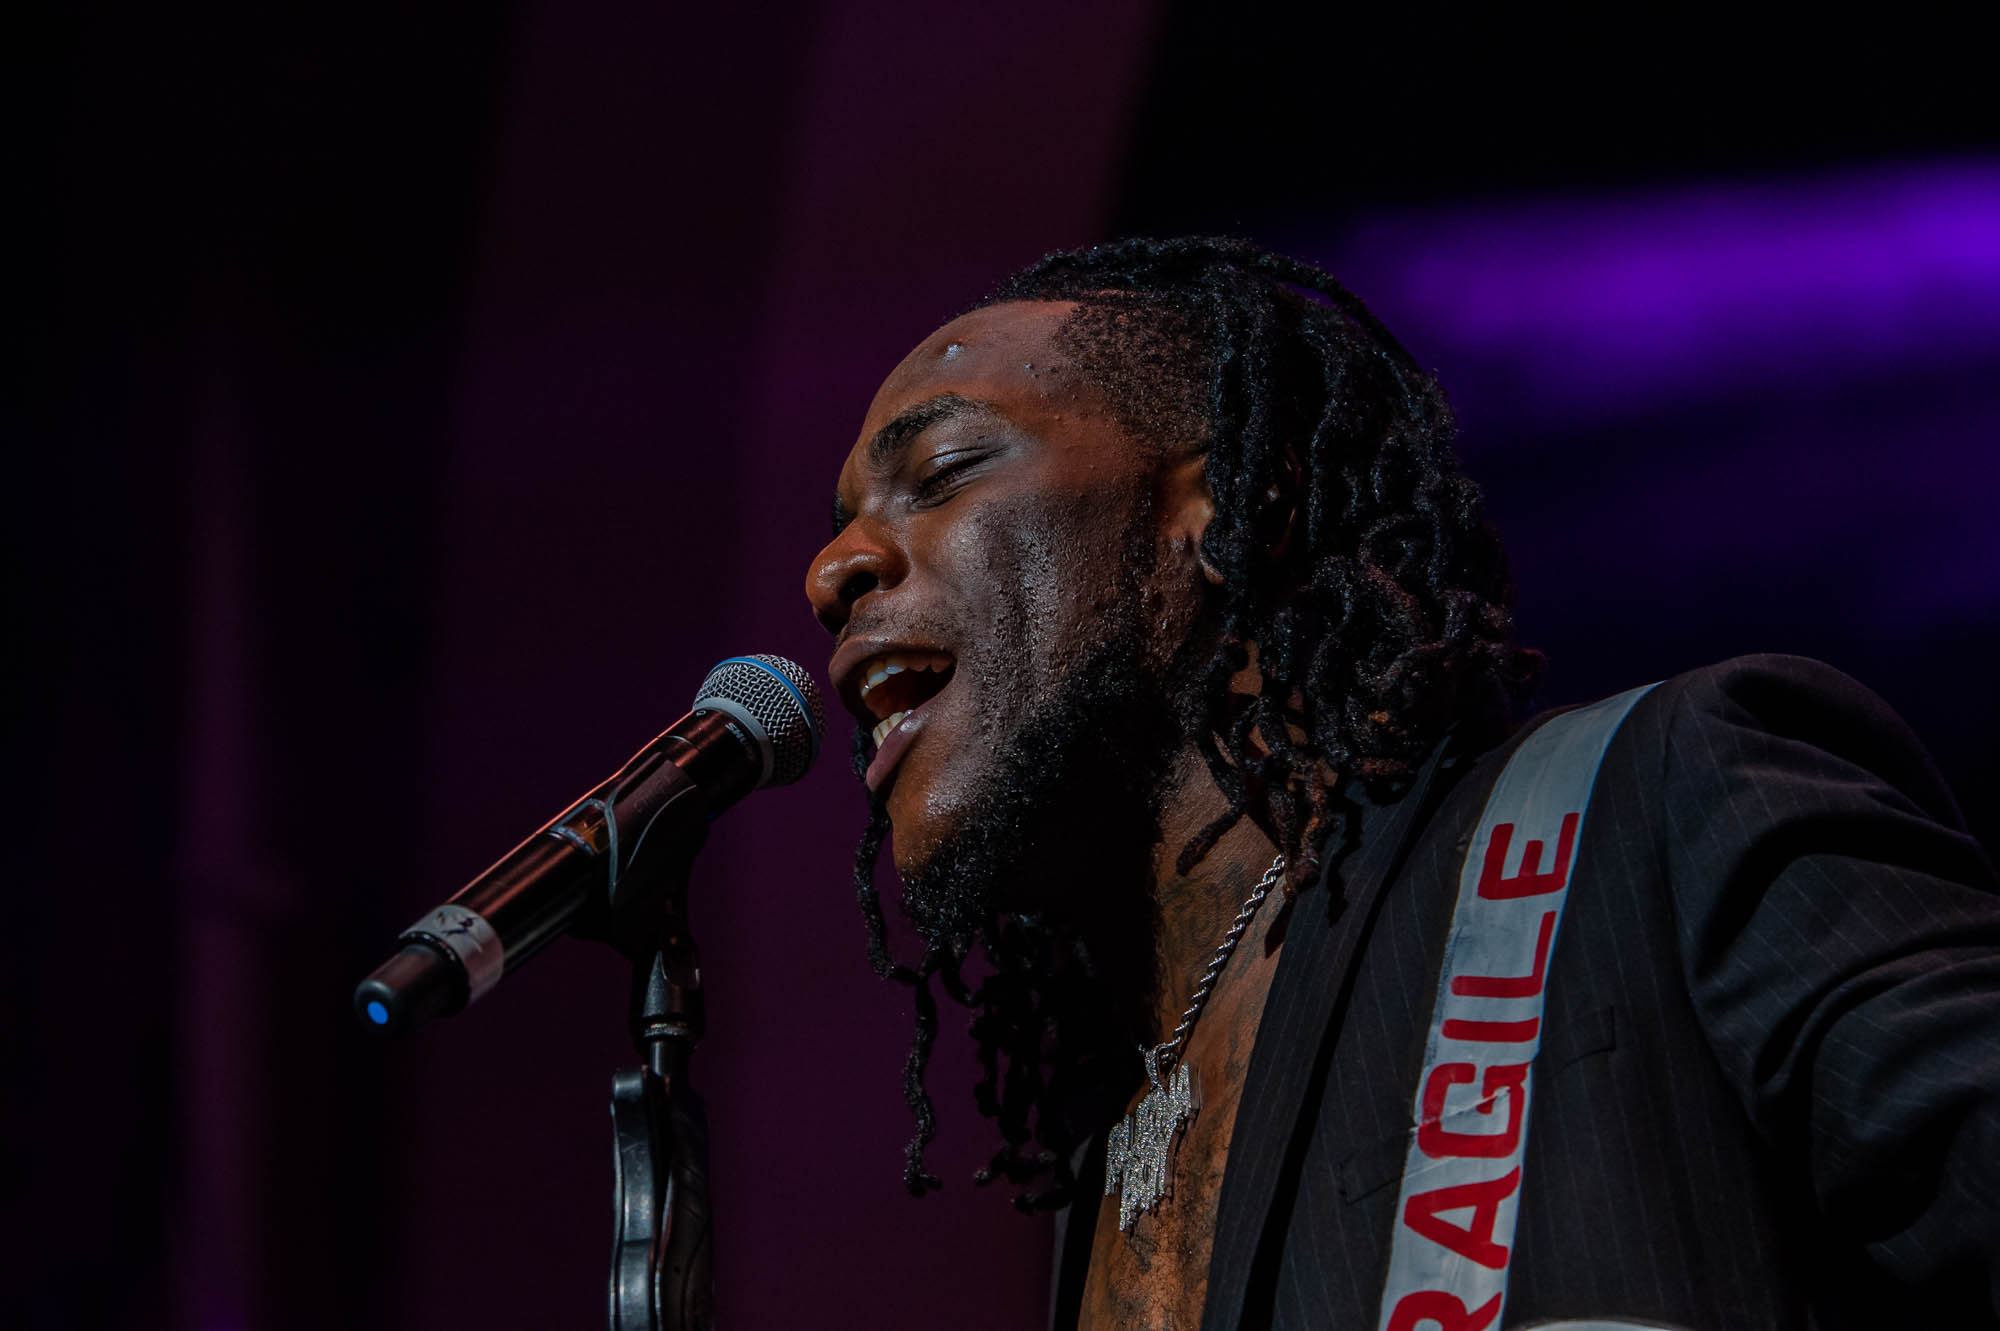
{"type": "Point", "coordinates": [1315, 972]}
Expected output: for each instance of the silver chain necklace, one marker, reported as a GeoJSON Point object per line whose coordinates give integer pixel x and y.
{"type": "Point", "coordinates": [1141, 1145]}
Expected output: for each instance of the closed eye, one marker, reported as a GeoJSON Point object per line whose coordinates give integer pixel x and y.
{"type": "Point", "coordinates": [951, 471]}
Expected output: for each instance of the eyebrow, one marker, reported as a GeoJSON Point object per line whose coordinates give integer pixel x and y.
{"type": "Point", "coordinates": [885, 448]}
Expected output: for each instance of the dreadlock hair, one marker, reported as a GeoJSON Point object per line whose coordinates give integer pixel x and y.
{"type": "Point", "coordinates": [915, 1178]}
{"type": "Point", "coordinates": [1352, 552]}
{"type": "Point", "coordinates": [1354, 565]}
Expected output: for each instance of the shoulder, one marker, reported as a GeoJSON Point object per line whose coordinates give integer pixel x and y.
{"type": "Point", "coordinates": [1779, 692]}
{"type": "Point", "coordinates": [1739, 748]}
{"type": "Point", "coordinates": [1768, 719]}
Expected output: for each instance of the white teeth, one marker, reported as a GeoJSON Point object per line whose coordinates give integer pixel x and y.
{"type": "Point", "coordinates": [895, 663]}
{"type": "Point", "coordinates": [887, 724]}
{"type": "Point", "coordinates": [878, 672]}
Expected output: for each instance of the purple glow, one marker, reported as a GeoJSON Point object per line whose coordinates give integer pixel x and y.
{"type": "Point", "coordinates": [1574, 310]}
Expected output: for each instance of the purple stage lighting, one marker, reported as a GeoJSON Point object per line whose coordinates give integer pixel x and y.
{"type": "Point", "coordinates": [1581, 310]}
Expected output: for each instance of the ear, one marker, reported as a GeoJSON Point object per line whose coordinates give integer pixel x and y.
{"type": "Point", "coordinates": [1187, 508]}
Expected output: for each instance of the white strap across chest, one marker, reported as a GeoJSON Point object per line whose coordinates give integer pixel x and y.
{"type": "Point", "coordinates": [1454, 1235]}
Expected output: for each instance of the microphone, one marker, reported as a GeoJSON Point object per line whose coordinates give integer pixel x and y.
{"type": "Point", "coordinates": [756, 722]}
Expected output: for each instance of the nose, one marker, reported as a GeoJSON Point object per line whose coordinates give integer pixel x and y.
{"type": "Point", "coordinates": [857, 561]}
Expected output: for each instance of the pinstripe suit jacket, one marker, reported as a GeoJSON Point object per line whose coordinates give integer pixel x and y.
{"type": "Point", "coordinates": [1768, 1092]}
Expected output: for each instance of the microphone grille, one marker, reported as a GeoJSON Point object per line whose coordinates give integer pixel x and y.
{"type": "Point", "coordinates": [777, 697]}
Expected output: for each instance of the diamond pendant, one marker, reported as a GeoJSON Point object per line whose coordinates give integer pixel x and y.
{"type": "Point", "coordinates": [1138, 1153]}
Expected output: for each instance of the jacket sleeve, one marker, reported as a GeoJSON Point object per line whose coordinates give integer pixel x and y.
{"type": "Point", "coordinates": [1839, 932]}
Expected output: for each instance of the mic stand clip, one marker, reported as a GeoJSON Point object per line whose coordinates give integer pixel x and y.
{"type": "Point", "coordinates": [662, 1249]}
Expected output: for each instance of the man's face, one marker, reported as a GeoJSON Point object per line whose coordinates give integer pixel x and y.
{"type": "Point", "coordinates": [1025, 562]}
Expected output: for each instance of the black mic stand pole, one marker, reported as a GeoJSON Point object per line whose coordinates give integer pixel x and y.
{"type": "Point", "coordinates": [646, 825]}
{"type": "Point", "coordinates": [662, 1251]}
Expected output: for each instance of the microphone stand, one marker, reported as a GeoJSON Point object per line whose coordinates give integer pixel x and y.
{"type": "Point", "coordinates": [662, 1249]}
{"type": "Point", "coordinates": [662, 1244]}
{"type": "Point", "coordinates": [640, 830]}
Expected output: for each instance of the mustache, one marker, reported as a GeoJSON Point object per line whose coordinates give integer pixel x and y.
{"type": "Point", "coordinates": [924, 625]}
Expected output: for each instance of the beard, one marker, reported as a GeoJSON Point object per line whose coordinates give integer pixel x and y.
{"type": "Point", "coordinates": [1064, 817]}
{"type": "Point", "coordinates": [1049, 873]}
{"type": "Point", "coordinates": [1058, 826]}
{"type": "Point", "coordinates": [1047, 864]}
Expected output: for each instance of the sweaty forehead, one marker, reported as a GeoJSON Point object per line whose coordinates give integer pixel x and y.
{"type": "Point", "coordinates": [1005, 355]}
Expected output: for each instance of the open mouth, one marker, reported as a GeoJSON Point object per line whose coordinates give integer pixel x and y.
{"type": "Point", "coordinates": [894, 689]}
{"type": "Point", "coordinates": [898, 683]}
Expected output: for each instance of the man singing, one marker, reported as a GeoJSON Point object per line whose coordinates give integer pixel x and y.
{"type": "Point", "coordinates": [1186, 676]}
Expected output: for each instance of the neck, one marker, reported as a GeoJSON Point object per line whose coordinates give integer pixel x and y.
{"type": "Point", "coordinates": [1193, 911]}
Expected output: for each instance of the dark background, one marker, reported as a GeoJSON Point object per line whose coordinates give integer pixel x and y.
{"type": "Point", "coordinates": [414, 401]}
